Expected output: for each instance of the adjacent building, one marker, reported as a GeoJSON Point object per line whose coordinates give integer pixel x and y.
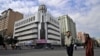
{"type": "Point", "coordinates": [81, 37]}
{"type": "Point", "coordinates": [7, 19]}
{"type": "Point", "coordinates": [41, 28]}
{"type": "Point", "coordinates": [98, 41]}
{"type": "Point", "coordinates": [67, 24]}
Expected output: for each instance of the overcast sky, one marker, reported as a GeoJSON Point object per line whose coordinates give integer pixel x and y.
{"type": "Point", "coordinates": [85, 13]}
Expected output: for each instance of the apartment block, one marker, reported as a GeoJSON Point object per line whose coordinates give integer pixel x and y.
{"type": "Point", "coordinates": [7, 20]}
{"type": "Point", "coordinates": [67, 24]}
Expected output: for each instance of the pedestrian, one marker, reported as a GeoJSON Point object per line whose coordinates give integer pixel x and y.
{"type": "Point", "coordinates": [69, 43]}
{"type": "Point", "coordinates": [89, 45]}
{"type": "Point", "coordinates": [75, 46]}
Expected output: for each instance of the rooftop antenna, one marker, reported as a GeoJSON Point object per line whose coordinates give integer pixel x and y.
{"type": "Point", "coordinates": [42, 2]}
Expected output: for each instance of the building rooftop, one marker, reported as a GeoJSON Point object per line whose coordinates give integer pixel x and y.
{"type": "Point", "coordinates": [42, 8]}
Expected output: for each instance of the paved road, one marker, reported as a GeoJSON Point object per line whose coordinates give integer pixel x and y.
{"type": "Point", "coordinates": [42, 52]}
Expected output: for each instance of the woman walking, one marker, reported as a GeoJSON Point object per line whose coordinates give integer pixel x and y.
{"type": "Point", "coordinates": [89, 46]}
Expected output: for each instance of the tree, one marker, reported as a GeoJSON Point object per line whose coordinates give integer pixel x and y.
{"type": "Point", "coordinates": [1, 40]}
{"type": "Point", "coordinates": [15, 40]}
{"type": "Point", "coordinates": [12, 40]}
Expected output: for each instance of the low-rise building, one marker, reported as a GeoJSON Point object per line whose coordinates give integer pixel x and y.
{"type": "Point", "coordinates": [41, 28]}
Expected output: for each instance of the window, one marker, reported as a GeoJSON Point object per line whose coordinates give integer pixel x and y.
{"type": "Point", "coordinates": [25, 30]}
{"type": "Point", "coordinates": [42, 18]}
{"type": "Point", "coordinates": [54, 34]}
{"type": "Point", "coordinates": [33, 18]}
{"type": "Point", "coordinates": [27, 20]}
{"type": "Point", "coordinates": [21, 22]}
{"type": "Point", "coordinates": [53, 39]}
{"type": "Point", "coordinates": [50, 18]}
{"type": "Point", "coordinates": [18, 24]}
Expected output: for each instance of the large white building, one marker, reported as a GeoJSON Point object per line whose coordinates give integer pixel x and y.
{"type": "Point", "coordinates": [67, 24]}
{"type": "Point", "coordinates": [40, 28]}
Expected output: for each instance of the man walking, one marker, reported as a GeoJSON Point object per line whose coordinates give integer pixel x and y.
{"type": "Point", "coordinates": [69, 42]}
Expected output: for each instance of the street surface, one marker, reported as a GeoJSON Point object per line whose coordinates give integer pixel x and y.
{"type": "Point", "coordinates": [45, 52]}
